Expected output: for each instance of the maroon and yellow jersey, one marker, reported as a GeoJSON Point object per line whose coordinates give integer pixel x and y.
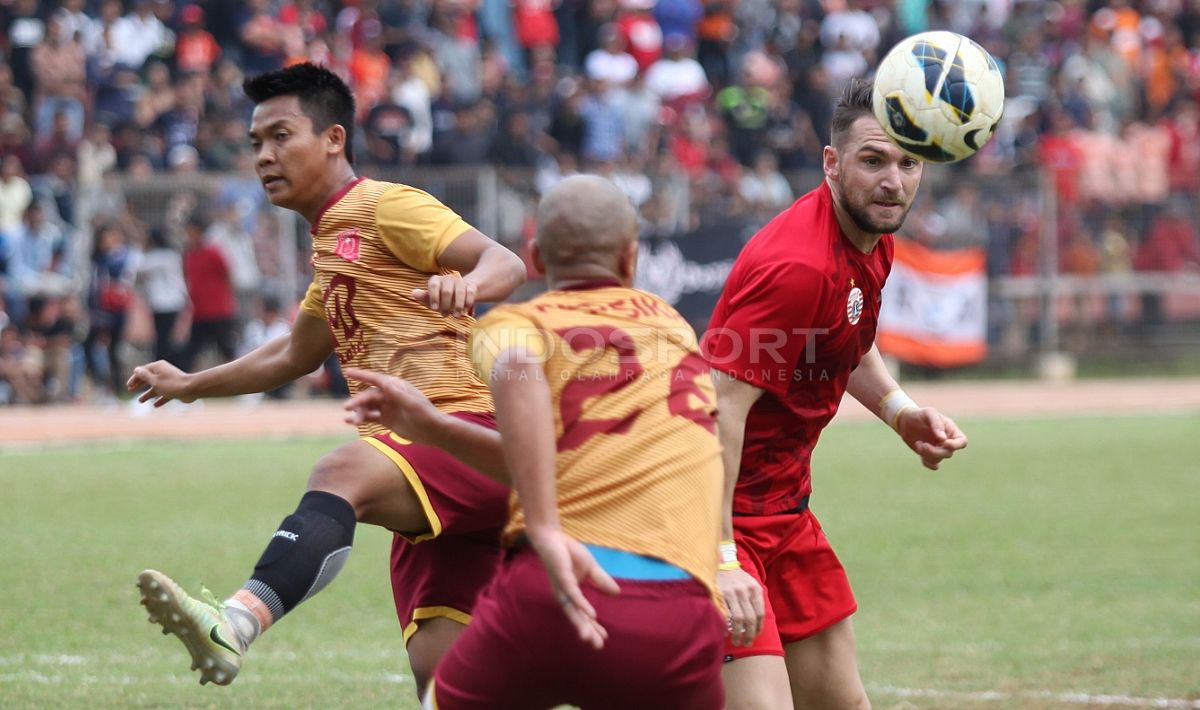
{"type": "Point", "coordinates": [638, 463]}
{"type": "Point", "coordinates": [373, 243]}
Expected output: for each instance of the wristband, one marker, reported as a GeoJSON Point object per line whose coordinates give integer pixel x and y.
{"type": "Point", "coordinates": [728, 551]}
{"type": "Point", "coordinates": [726, 566]}
{"type": "Point", "coordinates": [894, 404]}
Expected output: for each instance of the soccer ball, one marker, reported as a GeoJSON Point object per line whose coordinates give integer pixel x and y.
{"type": "Point", "coordinates": [938, 96]}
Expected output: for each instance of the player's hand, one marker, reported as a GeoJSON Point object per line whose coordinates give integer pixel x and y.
{"type": "Point", "coordinates": [567, 563]}
{"type": "Point", "coordinates": [934, 436]}
{"type": "Point", "coordinates": [162, 381]}
{"type": "Point", "coordinates": [447, 294]}
{"type": "Point", "coordinates": [744, 599]}
{"type": "Point", "coordinates": [392, 402]}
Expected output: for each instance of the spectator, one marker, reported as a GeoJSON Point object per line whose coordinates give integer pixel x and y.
{"type": "Point", "coordinates": [535, 23]}
{"type": "Point", "coordinates": [643, 37]}
{"type": "Point", "coordinates": [159, 280]}
{"type": "Point", "coordinates": [263, 40]}
{"type": "Point", "coordinates": [15, 194]}
{"type": "Point", "coordinates": [210, 289]}
{"type": "Point", "coordinates": [20, 369]}
{"type": "Point", "coordinates": [26, 30]}
{"type": "Point", "coordinates": [59, 67]}
{"type": "Point", "coordinates": [677, 77]}
{"type": "Point", "coordinates": [196, 51]}
{"type": "Point", "coordinates": [267, 324]}
{"type": "Point", "coordinates": [765, 190]}
{"type": "Point", "coordinates": [678, 17]}
{"type": "Point", "coordinates": [108, 302]}
{"type": "Point", "coordinates": [37, 259]}
{"type": "Point", "coordinates": [610, 62]}
{"type": "Point", "coordinates": [139, 35]}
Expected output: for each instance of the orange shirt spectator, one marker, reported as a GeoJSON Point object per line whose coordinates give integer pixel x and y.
{"type": "Point", "coordinates": [195, 48]}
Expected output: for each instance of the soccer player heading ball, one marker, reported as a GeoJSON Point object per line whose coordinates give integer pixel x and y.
{"type": "Point", "coordinates": [794, 330]}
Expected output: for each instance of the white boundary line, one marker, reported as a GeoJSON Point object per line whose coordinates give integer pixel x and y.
{"type": "Point", "coordinates": [983, 696]}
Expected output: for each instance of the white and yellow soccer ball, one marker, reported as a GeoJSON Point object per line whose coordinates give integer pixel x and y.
{"type": "Point", "coordinates": [938, 96]}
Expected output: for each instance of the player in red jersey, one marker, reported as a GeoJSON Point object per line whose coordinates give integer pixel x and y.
{"type": "Point", "coordinates": [396, 274]}
{"type": "Point", "coordinates": [794, 330]}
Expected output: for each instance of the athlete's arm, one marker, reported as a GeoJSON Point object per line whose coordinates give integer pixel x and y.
{"type": "Point", "coordinates": [931, 434]}
{"type": "Point", "coordinates": [525, 416]}
{"type": "Point", "coordinates": [401, 407]}
{"type": "Point", "coordinates": [743, 595]}
{"type": "Point", "coordinates": [490, 272]}
{"type": "Point", "coordinates": [271, 365]}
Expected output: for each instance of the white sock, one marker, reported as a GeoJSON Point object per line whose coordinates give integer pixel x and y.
{"type": "Point", "coordinates": [245, 623]}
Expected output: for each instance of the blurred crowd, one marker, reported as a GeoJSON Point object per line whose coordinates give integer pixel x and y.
{"type": "Point", "coordinates": [700, 109]}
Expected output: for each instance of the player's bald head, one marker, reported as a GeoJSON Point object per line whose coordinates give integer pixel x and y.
{"type": "Point", "coordinates": [584, 220]}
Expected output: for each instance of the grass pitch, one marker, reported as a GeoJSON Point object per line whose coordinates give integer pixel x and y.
{"type": "Point", "coordinates": [1054, 564]}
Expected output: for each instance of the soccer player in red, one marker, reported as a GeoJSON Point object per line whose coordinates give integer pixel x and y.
{"type": "Point", "coordinates": [608, 595]}
{"type": "Point", "coordinates": [794, 330]}
{"type": "Point", "coordinates": [396, 274]}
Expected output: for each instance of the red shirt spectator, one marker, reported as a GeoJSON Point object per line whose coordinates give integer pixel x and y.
{"type": "Point", "coordinates": [209, 286]}
{"type": "Point", "coordinates": [643, 36]}
{"type": "Point", "coordinates": [535, 23]}
{"type": "Point", "coordinates": [1171, 244]}
{"type": "Point", "coordinates": [1060, 155]}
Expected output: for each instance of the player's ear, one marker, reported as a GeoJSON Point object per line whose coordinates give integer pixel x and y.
{"type": "Point", "coordinates": [627, 266]}
{"type": "Point", "coordinates": [535, 255]}
{"type": "Point", "coordinates": [335, 137]}
{"type": "Point", "coordinates": [829, 158]}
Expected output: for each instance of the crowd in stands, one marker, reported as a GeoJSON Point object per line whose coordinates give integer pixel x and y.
{"type": "Point", "coordinates": [731, 97]}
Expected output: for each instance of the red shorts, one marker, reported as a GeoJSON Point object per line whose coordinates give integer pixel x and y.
{"type": "Point", "coordinates": [440, 573]}
{"type": "Point", "coordinates": [805, 587]}
{"type": "Point", "coordinates": [520, 651]}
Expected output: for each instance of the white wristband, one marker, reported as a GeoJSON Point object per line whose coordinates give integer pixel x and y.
{"type": "Point", "coordinates": [728, 552]}
{"type": "Point", "coordinates": [893, 404]}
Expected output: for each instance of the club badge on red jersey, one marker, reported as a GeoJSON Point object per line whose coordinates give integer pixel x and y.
{"type": "Point", "coordinates": [854, 305]}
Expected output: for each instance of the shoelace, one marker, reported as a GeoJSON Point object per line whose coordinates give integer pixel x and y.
{"type": "Point", "coordinates": [210, 599]}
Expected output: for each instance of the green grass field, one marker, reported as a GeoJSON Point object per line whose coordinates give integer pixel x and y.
{"type": "Point", "coordinates": [1053, 558]}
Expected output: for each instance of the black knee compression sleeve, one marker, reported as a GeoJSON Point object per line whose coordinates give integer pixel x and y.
{"type": "Point", "coordinates": [305, 553]}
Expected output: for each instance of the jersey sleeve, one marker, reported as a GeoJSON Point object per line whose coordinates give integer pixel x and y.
{"type": "Point", "coordinates": [416, 228]}
{"type": "Point", "coordinates": [504, 328]}
{"type": "Point", "coordinates": [767, 327]}
{"type": "Point", "coordinates": [314, 301]}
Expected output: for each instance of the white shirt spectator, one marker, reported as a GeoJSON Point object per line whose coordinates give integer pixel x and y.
{"type": "Point", "coordinates": [672, 78]}
{"type": "Point", "coordinates": [135, 37]}
{"type": "Point", "coordinates": [15, 196]}
{"type": "Point", "coordinates": [413, 94]}
{"type": "Point", "coordinates": [770, 190]}
{"type": "Point", "coordinates": [160, 279]}
{"type": "Point", "coordinates": [618, 69]}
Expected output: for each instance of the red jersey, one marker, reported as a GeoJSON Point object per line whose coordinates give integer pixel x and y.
{"type": "Point", "coordinates": [797, 314]}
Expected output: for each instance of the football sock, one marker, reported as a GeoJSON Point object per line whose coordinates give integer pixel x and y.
{"type": "Point", "coordinates": [304, 555]}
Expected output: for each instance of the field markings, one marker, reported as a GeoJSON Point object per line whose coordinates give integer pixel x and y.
{"type": "Point", "coordinates": [984, 696]}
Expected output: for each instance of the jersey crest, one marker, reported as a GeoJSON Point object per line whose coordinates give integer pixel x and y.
{"type": "Point", "coordinates": [854, 305]}
{"type": "Point", "coordinates": [348, 243]}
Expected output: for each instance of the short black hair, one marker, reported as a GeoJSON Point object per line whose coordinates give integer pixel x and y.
{"type": "Point", "coordinates": [324, 97]}
{"type": "Point", "coordinates": [853, 104]}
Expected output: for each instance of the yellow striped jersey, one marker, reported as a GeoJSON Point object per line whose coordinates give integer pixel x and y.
{"type": "Point", "coordinates": [638, 463]}
{"type": "Point", "coordinates": [373, 243]}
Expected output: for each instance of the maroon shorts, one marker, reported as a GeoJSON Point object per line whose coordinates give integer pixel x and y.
{"type": "Point", "coordinates": [439, 573]}
{"type": "Point", "coordinates": [805, 587]}
{"type": "Point", "coordinates": [520, 651]}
